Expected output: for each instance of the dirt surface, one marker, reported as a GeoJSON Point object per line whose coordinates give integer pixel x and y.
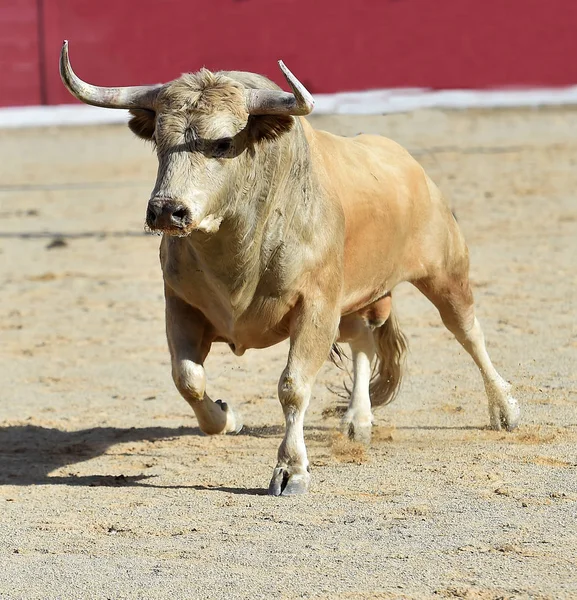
{"type": "Point", "coordinates": [107, 487]}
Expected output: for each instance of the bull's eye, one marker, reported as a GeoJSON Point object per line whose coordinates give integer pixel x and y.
{"type": "Point", "coordinates": [222, 146]}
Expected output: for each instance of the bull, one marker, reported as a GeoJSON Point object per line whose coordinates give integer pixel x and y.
{"type": "Point", "coordinates": [274, 230]}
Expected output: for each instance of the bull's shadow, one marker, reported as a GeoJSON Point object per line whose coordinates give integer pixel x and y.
{"type": "Point", "coordinates": [28, 454]}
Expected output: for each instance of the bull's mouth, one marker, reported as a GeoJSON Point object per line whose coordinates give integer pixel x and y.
{"type": "Point", "coordinates": [208, 225]}
{"type": "Point", "coordinates": [171, 231]}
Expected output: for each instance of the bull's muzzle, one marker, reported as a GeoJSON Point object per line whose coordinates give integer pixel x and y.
{"type": "Point", "coordinates": [167, 215]}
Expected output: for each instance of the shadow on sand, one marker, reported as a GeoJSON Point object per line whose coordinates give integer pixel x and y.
{"type": "Point", "coordinates": [28, 453]}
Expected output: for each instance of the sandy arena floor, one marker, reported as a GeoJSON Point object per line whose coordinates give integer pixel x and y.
{"type": "Point", "coordinates": [107, 487]}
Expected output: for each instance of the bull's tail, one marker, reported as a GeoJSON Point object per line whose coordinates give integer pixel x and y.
{"type": "Point", "coordinates": [391, 345]}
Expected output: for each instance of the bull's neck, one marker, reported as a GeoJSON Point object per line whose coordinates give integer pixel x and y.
{"type": "Point", "coordinates": [269, 209]}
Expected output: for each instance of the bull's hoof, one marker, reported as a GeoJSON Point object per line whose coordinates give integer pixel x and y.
{"type": "Point", "coordinates": [504, 411]}
{"type": "Point", "coordinates": [233, 421]}
{"type": "Point", "coordinates": [360, 433]}
{"type": "Point", "coordinates": [289, 481]}
{"type": "Point", "coordinates": [504, 417]}
{"type": "Point", "coordinates": [217, 418]}
{"type": "Point", "coordinates": [358, 430]}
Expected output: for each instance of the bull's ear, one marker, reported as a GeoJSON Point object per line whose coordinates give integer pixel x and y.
{"type": "Point", "coordinates": [269, 127]}
{"type": "Point", "coordinates": [142, 122]}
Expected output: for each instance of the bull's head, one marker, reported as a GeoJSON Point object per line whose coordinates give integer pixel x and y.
{"type": "Point", "coordinates": [200, 124]}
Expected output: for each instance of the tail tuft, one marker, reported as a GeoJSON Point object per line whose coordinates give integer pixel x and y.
{"type": "Point", "coordinates": [391, 347]}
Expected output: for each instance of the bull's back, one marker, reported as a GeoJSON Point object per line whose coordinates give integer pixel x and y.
{"type": "Point", "coordinates": [396, 221]}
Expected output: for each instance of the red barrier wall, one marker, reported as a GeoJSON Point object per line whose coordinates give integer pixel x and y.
{"type": "Point", "coordinates": [20, 73]}
{"type": "Point", "coordinates": [331, 45]}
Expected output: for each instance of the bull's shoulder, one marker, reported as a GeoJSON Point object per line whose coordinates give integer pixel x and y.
{"type": "Point", "coordinates": [382, 144]}
{"type": "Point", "coordinates": [365, 163]}
{"type": "Point", "coordinates": [361, 149]}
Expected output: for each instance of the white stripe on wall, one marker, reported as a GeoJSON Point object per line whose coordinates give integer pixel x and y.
{"type": "Point", "coordinates": [372, 102]}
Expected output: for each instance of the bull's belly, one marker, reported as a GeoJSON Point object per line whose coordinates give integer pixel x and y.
{"type": "Point", "coordinates": [241, 343]}
{"type": "Point", "coordinates": [263, 323]}
{"type": "Point", "coordinates": [256, 333]}
{"type": "Point", "coordinates": [266, 321]}
{"type": "Point", "coordinates": [249, 334]}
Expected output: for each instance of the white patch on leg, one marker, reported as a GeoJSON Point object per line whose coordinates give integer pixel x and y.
{"type": "Point", "coordinates": [358, 420]}
{"type": "Point", "coordinates": [213, 417]}
{"type": "Point", "coordinates": [189, 378]}
{"type": "Point", "coordinates": [504, 411]}
{"type": "Point", "coordinates": [294, 395]}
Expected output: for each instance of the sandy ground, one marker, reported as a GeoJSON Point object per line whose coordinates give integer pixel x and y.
{"type": "Point", "coordinates": [107, 487]}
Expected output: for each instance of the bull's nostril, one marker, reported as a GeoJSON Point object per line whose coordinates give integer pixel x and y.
{"type": "Point", "coordinates": [150, 216]}
{"type": "Point", "coordinates": [180, 214]}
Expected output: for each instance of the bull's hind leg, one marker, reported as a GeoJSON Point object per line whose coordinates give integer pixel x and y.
{"type": "Point", "coordinates": [189, 344]}
{"type": "Point", "coordinates": [453, 298]}
{"type": "Point", "coordinates": [357, 421]}
{"type": "Point", "coordinates": [373, 331]}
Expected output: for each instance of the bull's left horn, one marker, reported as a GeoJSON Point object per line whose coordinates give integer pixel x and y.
{"type": "Point", "coordinates": [272, 102]}
{"type": "Point", "coordinates": [140, 96]}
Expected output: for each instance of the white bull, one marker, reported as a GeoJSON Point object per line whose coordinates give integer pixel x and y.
{"type": "Point", "coordinates": [274, 230]}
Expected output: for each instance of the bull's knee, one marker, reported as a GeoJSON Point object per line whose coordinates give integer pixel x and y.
{"type": "Point", "coordinates": [293, 391]}
{"type": "Point", "coordinates": [190, 379]}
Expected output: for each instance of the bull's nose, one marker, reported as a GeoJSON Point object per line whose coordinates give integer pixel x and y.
{"type": "Point", "coordinates": [167, 214]}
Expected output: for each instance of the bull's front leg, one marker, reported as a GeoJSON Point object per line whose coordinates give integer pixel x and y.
{"type": "Point", "coordinates": [313, 331]}
{"type": "Point", "coordinates": [189, 340]}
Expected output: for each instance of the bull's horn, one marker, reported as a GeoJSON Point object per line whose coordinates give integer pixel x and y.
{"type": "Point", "coordinates": [139, 96]}
{"type": "Point", "coordinates": [272, 102]}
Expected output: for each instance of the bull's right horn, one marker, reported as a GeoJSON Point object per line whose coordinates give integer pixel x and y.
{"type": "Point", "coordinates": [273, 102]}
{"type": "Point", "coordinates": [138, 96]}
